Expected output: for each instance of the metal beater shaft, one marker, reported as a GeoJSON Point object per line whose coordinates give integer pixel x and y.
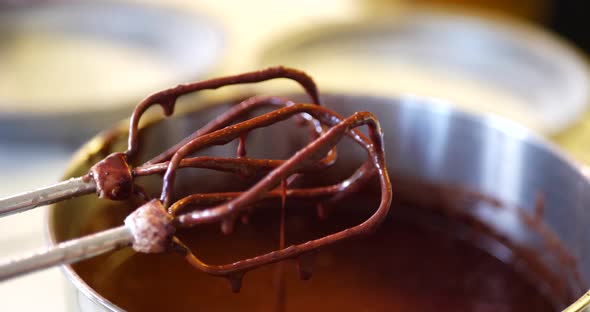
{"type": "Point", "coordinates": [46, 195]}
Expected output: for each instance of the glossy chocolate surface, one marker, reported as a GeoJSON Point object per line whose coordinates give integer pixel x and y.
{"type": "Point", "coordinates": [422, 258]}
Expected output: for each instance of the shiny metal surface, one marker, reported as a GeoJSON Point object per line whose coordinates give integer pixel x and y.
{"type": "Point", "coordinates": [46, 195]}
{"type": "Point", "coordinates": [424, 138]}
{"type": "Point", "coordinates": [67, 252]}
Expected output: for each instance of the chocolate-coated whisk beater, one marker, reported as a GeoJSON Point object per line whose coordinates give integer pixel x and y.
{"type": "Point", "coordinates": [119, 185]}
{"type": "Point", "coordinates": [151, 228]}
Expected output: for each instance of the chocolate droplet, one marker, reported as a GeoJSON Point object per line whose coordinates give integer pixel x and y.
{"type": "Point", "coordinates": [322, 210]}
{"type": "Point", "coordinates": [305, 266]}
{"type": "Point", "coordinates": [167, 103]}
{"type": "Point", "coordinates": [242, 145]}
{"type": "Point", "coordinates": [235, 282]}
{"type": "Point", "coordinates": [245, 219]}
{"type": "Point", "coordinates": [227, 226]}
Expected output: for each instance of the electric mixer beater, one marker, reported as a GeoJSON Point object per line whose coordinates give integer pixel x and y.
{"type": "Point", "coordinates": [151, 227]}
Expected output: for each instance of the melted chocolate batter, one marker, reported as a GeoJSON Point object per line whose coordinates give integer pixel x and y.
{"type": "Point", "coordinates": [419, 260]}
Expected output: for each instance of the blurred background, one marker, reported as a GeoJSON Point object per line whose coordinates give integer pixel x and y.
{"type": "Point", "coordinates": [70, 69]}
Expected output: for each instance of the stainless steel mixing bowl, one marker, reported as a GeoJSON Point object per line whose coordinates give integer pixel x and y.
{"type": "Point", "coordinates": [424, 138]}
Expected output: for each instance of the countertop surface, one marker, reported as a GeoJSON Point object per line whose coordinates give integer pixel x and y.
{"type": "Point", "coordinates": [23, 168]}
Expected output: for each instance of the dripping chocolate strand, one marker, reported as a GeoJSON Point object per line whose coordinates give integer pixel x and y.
{"type": "Point", "coordinates": [280, 282]}
{"type": "Point", "coordinates": [241, 152]}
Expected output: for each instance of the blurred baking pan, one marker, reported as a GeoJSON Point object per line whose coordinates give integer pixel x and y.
{"type": "Point", "coordinates": [489, 64]}
{"type": "Point", "coordinates": [68, 69]}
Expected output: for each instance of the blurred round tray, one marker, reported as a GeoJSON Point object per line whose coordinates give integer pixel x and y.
{"type": "Point", "coordinates": [487, 64]}
{"type": "Point", "coordinates": [69, 69]}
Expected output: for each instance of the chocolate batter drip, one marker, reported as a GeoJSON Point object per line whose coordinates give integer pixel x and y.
{"type": "Point", "coordinates": [281, 287]}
